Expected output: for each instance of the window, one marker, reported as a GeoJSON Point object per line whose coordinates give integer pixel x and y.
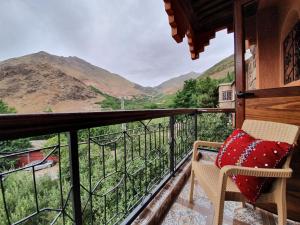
{"type": "Point", "coordinates": [227, 95]}
{"type": "Point", "coordinates": [291, 47]}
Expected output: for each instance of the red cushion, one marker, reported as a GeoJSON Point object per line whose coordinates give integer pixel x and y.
{"type": "Point", "coordinates": [241, 149]}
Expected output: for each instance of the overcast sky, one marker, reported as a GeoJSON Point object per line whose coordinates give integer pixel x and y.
{"type": "Point", "coordinates": [128, 37]}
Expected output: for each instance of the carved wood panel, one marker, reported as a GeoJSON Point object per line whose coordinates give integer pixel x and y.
{"type": "Point", "coordinates": [291, 47]}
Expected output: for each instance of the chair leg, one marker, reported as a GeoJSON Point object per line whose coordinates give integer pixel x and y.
{"type": "Point", "coordinates": [244, 204]}
{"type": "Point", "coordinates": [282, 211]}
{"type": "Point", "coordinates": [218, 218]}
{"type": "Point", "coordinates": [192, 186]}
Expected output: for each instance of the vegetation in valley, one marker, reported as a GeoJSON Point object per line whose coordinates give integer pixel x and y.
{"type": "Point", "coordinates": [113, 103]}
{"type": "Point", "coordinates": [200, 93]}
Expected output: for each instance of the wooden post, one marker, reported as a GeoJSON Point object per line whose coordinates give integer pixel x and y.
{"type": "Point", "coordinates": [239, 49]}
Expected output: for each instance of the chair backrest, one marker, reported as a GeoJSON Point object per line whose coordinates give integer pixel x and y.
{"type": "Point", "coordinates": [272, 131]}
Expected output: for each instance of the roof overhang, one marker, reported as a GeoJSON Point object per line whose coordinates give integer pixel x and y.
{"type": "Point", "coordinates": [199, 21]}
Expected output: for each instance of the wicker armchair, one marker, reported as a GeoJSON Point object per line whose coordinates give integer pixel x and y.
{"type": "Point", "coordinates": [219, 188]}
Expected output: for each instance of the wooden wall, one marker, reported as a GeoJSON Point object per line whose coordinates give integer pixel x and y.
{"type": "Point", "coordinates": [277, 109]}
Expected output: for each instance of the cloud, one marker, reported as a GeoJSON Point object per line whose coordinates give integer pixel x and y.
{"type": "Point", "coordinates": [130, 37]}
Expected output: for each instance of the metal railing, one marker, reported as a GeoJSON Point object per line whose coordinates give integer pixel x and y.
{"type": "Point", "coordinates": [104, 174]}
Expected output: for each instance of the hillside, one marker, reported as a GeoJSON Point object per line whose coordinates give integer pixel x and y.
{"type": "Point", "coordinates": [171, 86]}
{"type": "Point", "coordinates": [40, 87]}
{"type": "Point", "coordinates": [217, 71]}
{"type": "Point", "coordinates": [221, 69]}
{"type": "Point", "coordinates": [87, 73]}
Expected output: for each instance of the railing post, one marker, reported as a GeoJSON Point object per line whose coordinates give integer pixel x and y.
{"type": "Point", "coordinates": [196, 125]}
{"type": "Point", "coordinates": [75, 176]}
{"type": "Point", "coordinates": [172, 144]}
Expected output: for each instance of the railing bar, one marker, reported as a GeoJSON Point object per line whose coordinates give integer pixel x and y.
{"type": "Point", "coordinates": [103, 160]}
{"type": "Point", "coordinates": [4, 200]}
{"type": "Point", "coordinates": [34, 214]}
{"type": "Point", "coordinates": [35, 190]}
{"type": "Point", "coordinates": [25, 218]}
{"type": "Point", "coordinates": [150, 140]}
{"type": "Point", "coordinates": [132, 156]}
{"type": "Point", "coordinates": [99, 182]}
{"type": "Point", "coordinates": [155, 133]}
{"type": "Point", "coordinates": [125, 172]}
{"type": "Point", "coordinates": [172, 144]}
{"type": "Point", "coordinates": [145, 159]}
{"type": "Point", "coordinates": [62, 122]}
{"type": "Point", "coordinates": [90, 176]}
{"type": "Point", "coordinates": [163, 136]}
{"type": "Point", "coordinates": [139, 141]}
{"type": "Point", "coordinates": [107, 143]}
{"type": "Point", "coordinates": [117, 199]}
{"type": "Point", "coordinates": [105, 217]}
{"type": "Point", "coordinates": [56, 218]}
{"type": "Point", "coordinates": [60, 178]}
{"type": "Point", "coordinates": [115, 155]}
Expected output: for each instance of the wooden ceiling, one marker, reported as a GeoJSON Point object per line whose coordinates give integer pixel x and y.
{"type": "Point", "coordinates": [199, 20]}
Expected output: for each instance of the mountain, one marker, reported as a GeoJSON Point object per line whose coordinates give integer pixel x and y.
{"type": "Point", "coordinates": [217, 71]}
{"type": "Point", "coordinates": [109, 83]}
{"type": "Point", "coordinates": [171, 86]}
{"type": "Point", "coordinates": [37, 87]}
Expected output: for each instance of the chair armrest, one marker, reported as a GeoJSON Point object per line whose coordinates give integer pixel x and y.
{"type": "Point", "coordinates": [206, 144]}
{"type": "Point", "coordinates": [256, 172]}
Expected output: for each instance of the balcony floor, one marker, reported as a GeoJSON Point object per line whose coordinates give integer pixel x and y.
{"type": "Point", "coordinates": [201, 211]}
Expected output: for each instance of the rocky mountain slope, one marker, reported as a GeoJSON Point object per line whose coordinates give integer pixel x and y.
{"type": "Point", "coordinates": [107, 82]}
{"type": "Point", "coordinates": [31, 87]}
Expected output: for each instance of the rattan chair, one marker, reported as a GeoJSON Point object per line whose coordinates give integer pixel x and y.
{"type": "Point", "coordinates": [219, 188]}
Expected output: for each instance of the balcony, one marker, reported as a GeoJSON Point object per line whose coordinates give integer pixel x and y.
{"type": "Point", "coordinates": [104, 168]}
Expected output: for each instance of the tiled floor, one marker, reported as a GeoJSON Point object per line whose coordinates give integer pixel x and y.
{"type": "Point", "coordinates": [201, 211]}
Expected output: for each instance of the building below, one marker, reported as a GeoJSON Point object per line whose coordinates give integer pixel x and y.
{"type": "Point", "coordinates": [227, 95]}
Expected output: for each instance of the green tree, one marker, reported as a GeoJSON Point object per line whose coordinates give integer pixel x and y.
{"type": "Point", "coordinates": [4, 108]}
{"type": "Point", "coordinates": [48, 109]}
{"type": "Point", "coordinates": [197, 93]}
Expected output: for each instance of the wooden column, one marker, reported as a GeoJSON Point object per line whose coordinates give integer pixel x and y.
{"type": "Point", "coordinates": [239, 49]}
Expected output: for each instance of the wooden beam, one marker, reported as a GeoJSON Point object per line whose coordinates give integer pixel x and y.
{"type": "Point", "coordinates": [213, 9]}
{"type": "Point", "coordinates": [239, 49]}
{"type": "Point", "coordinates": [206, 5]}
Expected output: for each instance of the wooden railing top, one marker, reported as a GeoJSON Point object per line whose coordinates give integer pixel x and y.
{"type": "Point", "coordinates": [25, 125]}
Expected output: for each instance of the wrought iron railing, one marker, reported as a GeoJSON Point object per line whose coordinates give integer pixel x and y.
{"type": "Point", "coordinates": [101, 172]}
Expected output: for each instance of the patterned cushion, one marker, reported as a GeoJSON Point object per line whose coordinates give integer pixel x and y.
{"type": "Point", "coordinates": [241, 149]}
